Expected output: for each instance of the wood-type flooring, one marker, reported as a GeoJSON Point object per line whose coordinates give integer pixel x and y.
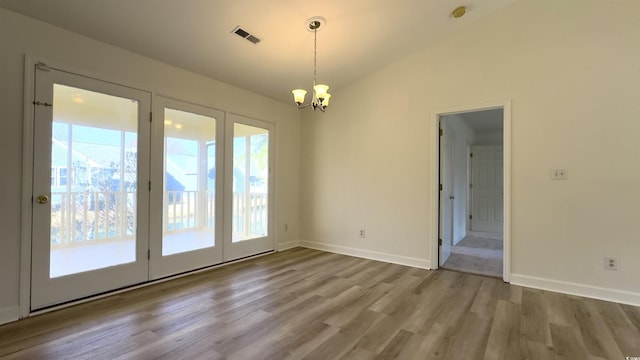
{"type": "Point", "coordinates": [308, 304]}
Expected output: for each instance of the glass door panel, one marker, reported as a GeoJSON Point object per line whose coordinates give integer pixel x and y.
{"type": "Point", "coordinates": [249, 190]}
{"type": "Point", "coordinates": [93, 185]}
{"type": "Point", "coordinates": [87, 211]}
{"type": "Point", "coordinates": [250, 182]}
{"type": "Point", "coordinates": [187, 138]}
{"type": "Point", "coordinates": [189, 176]}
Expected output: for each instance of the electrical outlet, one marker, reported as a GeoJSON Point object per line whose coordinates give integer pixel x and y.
{"type": "Point", "coordinates": [611, 263]}
{"type": "Point", "coordinates": [559, 174]}
{"type": "Point", "coordinates": [363, 233]}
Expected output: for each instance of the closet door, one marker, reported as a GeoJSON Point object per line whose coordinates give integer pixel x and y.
{"type": "Point", "coordinates": [186, 229]}
{"type": "Point", "coordinates": [90, 200]}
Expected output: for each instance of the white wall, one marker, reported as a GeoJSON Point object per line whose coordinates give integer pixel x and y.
{"type": "Point", "coordinates": [20, 35]}
{"type": "Point", "coordinates": [464, 136]}
{"type": "Point", "coordinates": [570, 69]}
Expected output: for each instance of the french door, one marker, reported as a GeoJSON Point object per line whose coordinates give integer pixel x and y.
{"type": "Point", "coordinates": [121, 196]}
{"type": "Point", "coordinates": [186, 201]}
{"type": "Point", "coordinates": [248, 188]}
{"type": "Point", "coordinates": [90, 202]}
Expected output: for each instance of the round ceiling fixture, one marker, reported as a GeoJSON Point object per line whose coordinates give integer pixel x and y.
{"type": "Point", "coordinates": [315, 23]}
{"type": "Point", "coordinates": [459, 12]}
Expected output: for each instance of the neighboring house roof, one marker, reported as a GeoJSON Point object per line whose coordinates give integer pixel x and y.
{"type": "Point", "coordinates": [103, 156]}
{"type": "Point", "coordinates": [59, 155]}
{"type": "Point", "coordinates": [190, 182]}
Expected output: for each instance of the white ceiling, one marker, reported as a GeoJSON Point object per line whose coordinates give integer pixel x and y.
{"type": "Point", "coordinates": [484, 121]}
{"type": "Point", "coordinates": [360, 35]}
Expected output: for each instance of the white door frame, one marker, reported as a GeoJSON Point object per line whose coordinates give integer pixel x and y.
{"type": "Point", "coordinates": [435, 164]}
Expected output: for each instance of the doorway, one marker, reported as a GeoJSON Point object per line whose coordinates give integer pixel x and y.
{"type": "Point", "coordinates": [473, 157]}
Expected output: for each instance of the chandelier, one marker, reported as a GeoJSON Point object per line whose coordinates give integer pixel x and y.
{"type": "Point", "coordinates": [321, 95]}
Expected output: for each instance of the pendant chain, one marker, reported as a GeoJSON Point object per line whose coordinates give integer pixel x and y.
{"type": "Point", "coordinates": [315, 54]}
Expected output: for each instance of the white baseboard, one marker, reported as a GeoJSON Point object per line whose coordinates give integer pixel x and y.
{"type": "Point", "coordinates": [287, 245]}
{"type": "Point", "coordinates": [8, 315]}
{"type": "Point", "coordinates": [368, 254]}
{"type": "Point", "coordinates": [594, 292]}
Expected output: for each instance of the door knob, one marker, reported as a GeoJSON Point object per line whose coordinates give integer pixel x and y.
{"type": "Point", "coordinates": [451, 197]}
{"type": "Point", "coordinates": [42, 199]}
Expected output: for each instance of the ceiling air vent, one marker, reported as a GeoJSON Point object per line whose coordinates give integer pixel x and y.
{"type": "Point", "coordinates": [245, 34]}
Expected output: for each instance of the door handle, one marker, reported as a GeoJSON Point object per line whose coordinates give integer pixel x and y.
{"type": "Point", "coordinates": [451, 197]}
{"type": "Point", "coordinates": [42, 199]}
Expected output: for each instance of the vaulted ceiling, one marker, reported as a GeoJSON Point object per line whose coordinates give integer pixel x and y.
{"type": "Point", "coordinates": [359, 37]}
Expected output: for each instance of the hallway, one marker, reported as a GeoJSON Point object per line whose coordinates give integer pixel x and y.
{"type": "Point", "coordinates": [477, 253]}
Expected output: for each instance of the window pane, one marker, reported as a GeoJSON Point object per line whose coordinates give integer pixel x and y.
{"type": "Point", "coordinates": [189, 182]}
{"type": "Point", "coordinates": [250, 182]}
{"type": "Point", "coordinates": [93, 187]}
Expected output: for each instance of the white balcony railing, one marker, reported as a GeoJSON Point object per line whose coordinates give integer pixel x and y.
{"type": "Point", "coordinates": [83, 217]}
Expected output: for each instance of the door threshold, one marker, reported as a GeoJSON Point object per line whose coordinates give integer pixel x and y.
{"type": "Point", "coordinates": [143, 284]}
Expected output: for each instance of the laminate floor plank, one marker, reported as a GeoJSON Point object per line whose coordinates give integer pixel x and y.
{"type": "Point", "coordinates": [503, 342]}
{"type": "Point", "coordinates": [309, 304]}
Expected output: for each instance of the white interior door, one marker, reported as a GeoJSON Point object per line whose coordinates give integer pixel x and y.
{"type": "Point", "coordinates": [248, 188]}
{"type": "Point", "coordinates": [90, 216]}
{"type": "Point", "coordinates": [487, 190]}
{"type": "Point", "coordinates": [446, 193]}
{"type": "Point", "coordinates": [186, 231]}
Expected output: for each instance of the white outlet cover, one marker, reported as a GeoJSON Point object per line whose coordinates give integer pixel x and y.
{"type": "Point", "coordinates": [611, 263]}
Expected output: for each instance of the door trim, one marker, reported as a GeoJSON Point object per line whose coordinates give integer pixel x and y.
{"type": "Point", "coordinates": [27, 178]}
{"type": "Point", "coordinates": [434, 168]}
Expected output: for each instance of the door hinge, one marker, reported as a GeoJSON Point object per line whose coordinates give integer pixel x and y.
{"type": "Point", "coordinates": [149, 185]}
{"type": "Point", "coordinates": [150, 117]}
{"type": "Point", "coordinates": [38, 103]}
{"type": "Point", "coordinates": [440, 187]}
{"type": "Point", "coordinates": [439, 242]}
{"type": "Point", "coordinates": [148, 254]}
{"type": "Point", "coordinates": [470, 186]}
{"type": "Point", "coordinates": [441, 132]}
{"type": "Point", "coordinates": [470, 217]}
{"type": "Point", "coordinates": [42, 66]}
{"type": "Point", "coordinates": [470, 154]}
